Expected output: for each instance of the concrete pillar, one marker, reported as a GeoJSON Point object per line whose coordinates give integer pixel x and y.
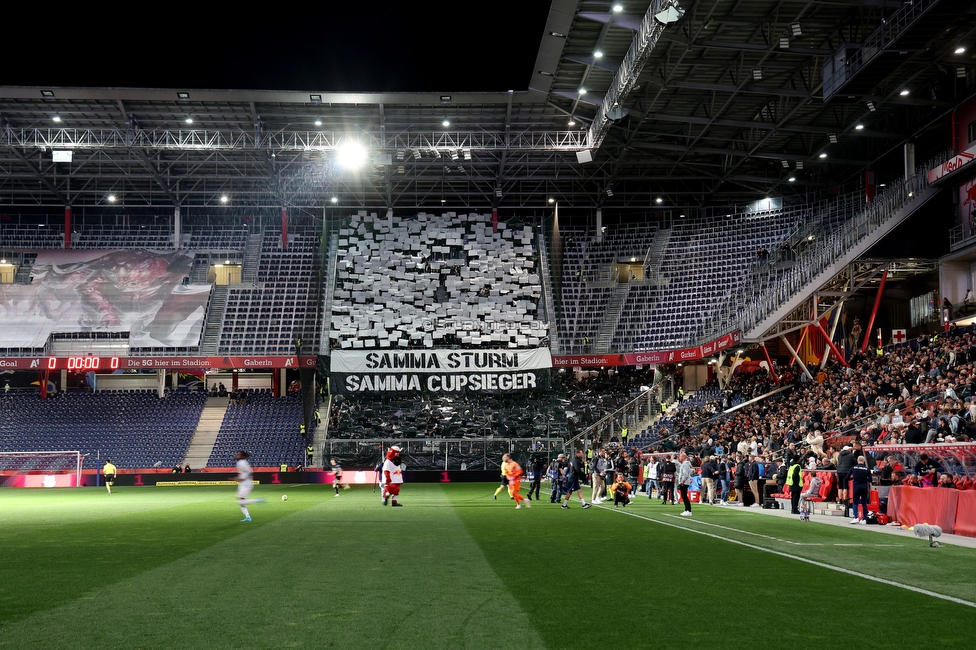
{"type": "Point", "coordinates": [177, 228]}
{"type": "Point", "coordinates": [160, 382]}
{"type": "Point", "coordinates": [64, 379]}
{"type": "Point", "coordinates": [599, 225]}
{"type": "Point", "coordinates": [909, 160]}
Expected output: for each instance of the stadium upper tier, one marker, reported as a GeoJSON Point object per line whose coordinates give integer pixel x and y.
{"type": "Point", "coordinates": [436, 281]}
{"type": "Point", "coordinates": [641, 287]}
{"type": "Point", "coordinates": [271, 314]}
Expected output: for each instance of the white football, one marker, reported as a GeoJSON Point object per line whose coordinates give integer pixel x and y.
{"type": "Point", "coordinates": [284, 497]}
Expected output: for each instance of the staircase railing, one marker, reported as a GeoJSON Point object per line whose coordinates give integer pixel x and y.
{"type": "Point", "coordinates": [766, 290]}
{"type": "Point", "coordinates": [329, 292]}
{"type": "Point", "coordinates": [554, 343]}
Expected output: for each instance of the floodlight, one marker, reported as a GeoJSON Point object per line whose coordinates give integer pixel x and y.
{"type": "Point", "coordinates": [859, 127]}
{"type": "Point", "coordinates": [351, 155]}
{"type": "Point", "coordinates": [56, 119]}
{"type": "Point", "coordinates": [670, 14]}
{"type": "Point", "coordinates": [318, 122]}
{"type": "Point", "coordinates": [598, 54]}
{"type": "Point", "coordinates": [832, 137]}
{"type": "Point", "coordinates": [572, 123]}
{"type": "Point", "coordinates": [960, 49]}
{"type": "Point", "coordinates": [871, 106]}
{"type": "Point", "coordinates": [823, 155]}
{"type": "Point", "coordinates": [223, 198]}
{"type": "Point", "coordinates": [552, 200]}
{"type": "Point", "coordinates": [609, 192]}
{"type": "Point", "coordinates": [659, 200]}
{"type": "Point", "coordinates": [111, 198]}
{"type": "Point", "coordinates": [792, 178]}
{"type": "Point", "coordinates": [467, 154]}
{"type": "Point", "coordinates": [904, 92]}
{"type": "Point", "coordinates": [617, 8]}
{"type": "Point", "coordinates": [582, 91]}
{"type": "Point", "coordinates": [785, 164]}
{"type": "Point", "coordinates": [334, 200]}
{"type": "Point", "coordinates": [795, 29]}
{"type": "Point", "coordinates": [446, 123]}
{"type": "Point", "coordinates": [784, 43]}
{"type": "Point", "coordinates": [757, 74]}
{"type": "Point", "coordinates": [189, 120]}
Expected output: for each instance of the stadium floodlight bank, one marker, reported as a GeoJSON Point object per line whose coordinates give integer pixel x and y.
{"type": "Point", "coordinates": [40, 468]}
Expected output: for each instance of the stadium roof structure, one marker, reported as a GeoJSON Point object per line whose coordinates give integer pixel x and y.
{"type": "Point", "coordinates": [687, 103]}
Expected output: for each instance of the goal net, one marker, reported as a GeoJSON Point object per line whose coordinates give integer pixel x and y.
{"type": "Point", "coordinates": [40, 468]}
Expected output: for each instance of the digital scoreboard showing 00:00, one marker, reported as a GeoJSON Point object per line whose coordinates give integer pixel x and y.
{"type": "Point", "coordinates": [83, 363]}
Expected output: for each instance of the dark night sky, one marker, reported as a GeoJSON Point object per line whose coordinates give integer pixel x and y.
{"type": "Point", "coordinates": [371, 46]}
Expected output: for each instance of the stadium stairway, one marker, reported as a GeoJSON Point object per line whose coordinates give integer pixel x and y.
{"type": "Point", "coordinates": [215, 317]}
{"type": "Point", "coordinates": [655, 257]}
{"type": "Point", "coordinates": [611, 318]}
{"type": "Point", "coordinates": [252, 256]}
{"type": "Point", "coordinates": [205, 435]}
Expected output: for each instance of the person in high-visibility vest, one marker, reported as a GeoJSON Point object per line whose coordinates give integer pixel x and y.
{"type": "Point", "coordinates": [301, 429]}
{"type": "Point", "coordinates": [309, 453]}
{"type": "Point", "coordinates": [108, 473]}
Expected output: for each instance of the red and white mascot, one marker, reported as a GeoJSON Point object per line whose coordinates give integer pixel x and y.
{"type": "Point", "coordinates": [392, 476]}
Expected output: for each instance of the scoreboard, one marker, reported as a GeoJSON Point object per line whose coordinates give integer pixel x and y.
{"type": "Point", "coordinates": [83, 363]}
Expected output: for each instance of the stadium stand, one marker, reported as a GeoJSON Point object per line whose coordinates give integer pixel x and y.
{"type": "Point", "coordinates": [281, 306]}
{"type": "Point", "coordinates": [436, 281]}
{"type": "Point", "coordinates": [265, 425]}
{"type": "Point", "coordinates": [134, 428]}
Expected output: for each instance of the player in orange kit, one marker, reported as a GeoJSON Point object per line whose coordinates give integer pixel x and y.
{"type": "Point", "coordinates": [513, 472]}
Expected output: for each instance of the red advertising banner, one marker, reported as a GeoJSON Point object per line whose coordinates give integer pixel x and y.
{"type": "Point", "coordinates": [951, 165]}
{"type": "Point", "coordinates": [639, 358]}
{"type": "Point", "coordinates": [113, 364]}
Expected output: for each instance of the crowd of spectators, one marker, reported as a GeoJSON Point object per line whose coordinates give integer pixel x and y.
{"type": "Point", "coordinates": [916, 393]}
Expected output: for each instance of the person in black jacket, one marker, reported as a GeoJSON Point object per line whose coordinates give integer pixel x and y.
{"type": "Point", "coordinates": [860, 477]}
{"type": "Point", "coordinates": [573, 471]}
{"type": "Point", "coordinates": [536, 469]}
{"type": "Point", "coordinates": [741, 472]}
{"type": "Point", "coordinates": [845, 461]}
{"type": "Point", "coordinates": [709, 472]}
{"type": "Point", "coordinates": [667, 480]}
{"type": "Point", "coordinates": [752, 473]}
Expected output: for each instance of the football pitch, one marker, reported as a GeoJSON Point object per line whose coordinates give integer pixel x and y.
{"type": "Point", "coordinates": [173, 567]}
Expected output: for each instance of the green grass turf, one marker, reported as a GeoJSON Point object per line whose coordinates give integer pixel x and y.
{"type": "Point", "coordinates": [174, 568]}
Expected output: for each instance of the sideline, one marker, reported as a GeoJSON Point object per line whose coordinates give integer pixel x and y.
{"type": "Point", "coordinates": [775, 539]}
{"type": "Point", "coordinates": [790, 556]}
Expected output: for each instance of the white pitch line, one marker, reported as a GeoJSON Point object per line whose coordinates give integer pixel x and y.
{"type": "Point", "coordinates": [822, 565]}
{"type": "Point", "coordinates": [747, 532]}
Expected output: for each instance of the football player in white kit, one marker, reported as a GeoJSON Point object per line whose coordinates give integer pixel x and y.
{"type": "Point", "coordinates": [392, 475]}
{"type": "Point", "coordinates": [244, 484]}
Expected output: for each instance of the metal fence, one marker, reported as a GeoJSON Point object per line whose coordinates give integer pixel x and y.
{"type": "Point", "coordinates": [441, 454]}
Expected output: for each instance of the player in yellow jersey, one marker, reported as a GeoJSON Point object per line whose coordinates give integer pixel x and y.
{"type": "Point", "coordinates": [513, 472]}
{"type": "Point", "coordinates": [108, 474]}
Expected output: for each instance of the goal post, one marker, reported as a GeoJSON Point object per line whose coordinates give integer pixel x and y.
{"type": "Point", "coordinates": [40, 468]}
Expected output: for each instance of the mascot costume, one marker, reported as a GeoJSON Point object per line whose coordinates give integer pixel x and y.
{"type": "Point", "coordinates": [392, 474]}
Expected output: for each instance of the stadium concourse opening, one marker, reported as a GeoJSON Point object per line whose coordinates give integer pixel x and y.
{"type": "Point", "coordinates": [363, 284]}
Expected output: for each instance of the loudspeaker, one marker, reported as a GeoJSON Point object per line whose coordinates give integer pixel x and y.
{"type": "Point", "coordinates": [584, 156]}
